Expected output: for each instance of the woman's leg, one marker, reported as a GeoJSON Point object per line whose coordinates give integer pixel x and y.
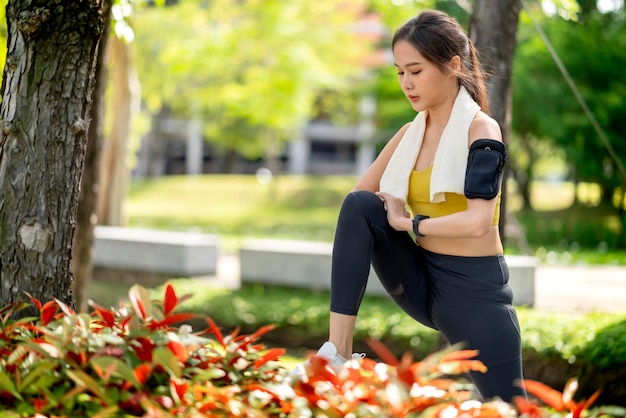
{"type": "Point", "coordinates": [364, 237]}
{"type": "Point", "coordinates": [472, 305]}
{"type": "Point", "coordinates": [341, 333]}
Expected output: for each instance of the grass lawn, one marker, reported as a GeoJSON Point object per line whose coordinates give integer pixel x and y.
{"type": "Point", "coordinates": [306, 208]}
{"type": "Point", "coordinates": [238, 206]}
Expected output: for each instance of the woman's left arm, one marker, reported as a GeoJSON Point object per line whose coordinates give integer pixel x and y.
{"type": "Point", "coordinates": [474, 222]}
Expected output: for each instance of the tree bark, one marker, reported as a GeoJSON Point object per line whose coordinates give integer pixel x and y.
{"type": "Point", "coordinates": [86, 218]}
{"type": "Point", "coordinates": [114, 170]}
{"type": "Point", "coordinates": [46, 98]}
{"type": "Point", "coordinates": [493, 30]}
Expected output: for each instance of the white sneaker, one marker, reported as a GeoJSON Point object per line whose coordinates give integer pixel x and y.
{"type": "Point", "coordinates": [327, 351]}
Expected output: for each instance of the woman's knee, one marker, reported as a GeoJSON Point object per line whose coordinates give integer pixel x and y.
{"type": "Point", "coordinates": [363, 201]}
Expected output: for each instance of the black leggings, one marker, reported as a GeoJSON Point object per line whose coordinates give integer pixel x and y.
{"type": "Point", "coordinates": [468, 299]}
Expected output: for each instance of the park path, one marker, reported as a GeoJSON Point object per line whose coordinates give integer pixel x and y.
{"type": "Point", "coordinates": [581, 288]}
{"type": "Point", "coordinates": [571, 289]}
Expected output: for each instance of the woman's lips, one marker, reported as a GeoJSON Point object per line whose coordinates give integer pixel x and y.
{"type": "Point", "coordinates": [413, 99]}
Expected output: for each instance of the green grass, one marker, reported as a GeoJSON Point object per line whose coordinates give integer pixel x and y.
{"type": "Point", "coordinates": [306, 207]}
{"type": "Point", "coordinates": [237, 206]}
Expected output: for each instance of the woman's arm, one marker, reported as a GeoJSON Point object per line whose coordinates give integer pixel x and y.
{"type": "Point", "coordinates": [474, 222]}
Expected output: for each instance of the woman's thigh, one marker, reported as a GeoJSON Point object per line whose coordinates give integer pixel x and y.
{"type": "Point", "coordinates": [398, 261]}
{"type": "Point", "coordinates": [472, 307]}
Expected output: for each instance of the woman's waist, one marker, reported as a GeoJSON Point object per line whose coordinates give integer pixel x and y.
{"type": "Point", "coordinates": [488, 245]}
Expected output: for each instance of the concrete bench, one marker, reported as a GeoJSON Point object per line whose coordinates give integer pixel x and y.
{"type": "Point", "coordinates": [307, 264]}
{"type": "Point", "coordinates": [154, 251]}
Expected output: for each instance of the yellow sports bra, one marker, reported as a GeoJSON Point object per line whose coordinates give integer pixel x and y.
{"type": "Point", "coordinates": [419, 198]}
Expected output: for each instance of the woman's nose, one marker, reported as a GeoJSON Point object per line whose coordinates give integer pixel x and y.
{"type": "Point", "coordinates": [405, 82]}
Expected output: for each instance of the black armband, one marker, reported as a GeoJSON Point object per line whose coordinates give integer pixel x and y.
{"type": "Point", "coordinates": [485, 166]}
{"type": "Point", "coordinates": [416, 223]}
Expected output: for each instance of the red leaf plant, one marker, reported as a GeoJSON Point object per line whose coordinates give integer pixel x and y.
{"type": "Point", "coordinates": [559, 401]}
{"type": "Point", "coordinates": [133, 361]}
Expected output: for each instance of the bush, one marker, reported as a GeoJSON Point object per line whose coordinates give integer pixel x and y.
{"type": "Point", "coordinates": [587, 227]}
{"type": "Point", "coordinates": [603, 362]}
{"type": "Point", "coordinates": [133, 362]}
{"type": "Point", "coordinates": [555, 345]}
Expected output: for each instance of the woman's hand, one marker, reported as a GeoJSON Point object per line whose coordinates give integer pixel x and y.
{"type": "Point", "coordinates": [397, 215]}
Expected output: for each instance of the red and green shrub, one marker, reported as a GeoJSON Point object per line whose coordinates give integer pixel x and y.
{"type": "Point", "coordinates": [138, 360]}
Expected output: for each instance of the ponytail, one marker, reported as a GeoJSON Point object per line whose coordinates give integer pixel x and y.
{"type": "Point", "coordinates": [474, 79]}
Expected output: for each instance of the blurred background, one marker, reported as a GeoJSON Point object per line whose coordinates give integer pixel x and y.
{"type": "Point", "coordinates": [255, 118]}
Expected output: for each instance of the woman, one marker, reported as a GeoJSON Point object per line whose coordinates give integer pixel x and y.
{"type": "Point", "coordinates": [452, 276]}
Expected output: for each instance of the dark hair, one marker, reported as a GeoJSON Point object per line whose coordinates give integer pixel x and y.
{"type": "Point", "coordinates": [439, 37]}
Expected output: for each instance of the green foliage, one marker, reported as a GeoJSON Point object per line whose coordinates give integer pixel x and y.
{"type": "Point", "coordinates": [567, 335]}
{"type": "Point", "coordinates": [131, 361]}
{"type": "Point", "coordinates": [607, 348]}
{"type": "Point", "coordinates": [251, 70]}
{"type": "Point", "coordinates": [304, 314]}
{"type": "Point", "coordinates": [603, 361]}
{"type": "Point", "coordinates": [546, 108]}
{"type": "Point", "coordinates": [556, 346]}
{"type": "Point", "coordinates": [301, 316]}
{"type": "Point", "coordinates": [395, 13]}
{"type": "Point", "coordinates": [578, 227]}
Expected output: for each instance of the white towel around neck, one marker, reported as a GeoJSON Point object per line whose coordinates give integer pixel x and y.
{"type": "Point", "coordinates": [448, 173]}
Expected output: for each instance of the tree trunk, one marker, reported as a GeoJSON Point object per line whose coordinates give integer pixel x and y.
{"type": "Point", "coordinates": [114, 170]}
{"type": "Point", "coordinates": [526, 173]}
{"type": "Point", "coordinates": [46, 99]}
{"type": "Point", "coordinates": [86, 219]}
{"type": "Point", "coordinates": [493, 30]}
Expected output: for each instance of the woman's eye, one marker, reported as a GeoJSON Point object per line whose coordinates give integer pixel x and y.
{"type": "Point", "coordinates": [400, 73]}
{"type": "Point", "coordinates": [416, 72]}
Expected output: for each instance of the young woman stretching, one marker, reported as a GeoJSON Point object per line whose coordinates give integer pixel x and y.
{"type": "Point", "coordinates": [446, 166]}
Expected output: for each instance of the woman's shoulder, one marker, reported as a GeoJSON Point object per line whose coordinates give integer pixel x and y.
{"type": "Point", "coordinates": [484, 126]}
{"type": "Point", "coordinates": [404, 128]}
{"type": "Point", "coordinates": [395, 139]}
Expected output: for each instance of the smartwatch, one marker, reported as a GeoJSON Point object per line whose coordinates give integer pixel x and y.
{"type": "Point", "coordinates": [416, 224]}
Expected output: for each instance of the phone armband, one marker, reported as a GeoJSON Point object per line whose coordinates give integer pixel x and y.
{"type": "Point", "coordinates": [485, 167]}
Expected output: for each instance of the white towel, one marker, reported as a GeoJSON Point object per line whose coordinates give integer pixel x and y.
{"type": "Point", "coordinates": [448, 174]}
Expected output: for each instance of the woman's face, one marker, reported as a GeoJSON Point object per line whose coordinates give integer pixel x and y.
{"type": "Point", "coordinates": [422, 82]}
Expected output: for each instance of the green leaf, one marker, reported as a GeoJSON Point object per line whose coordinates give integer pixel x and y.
{"type": "Point", "coordinates": [42, 369]}
{"type": "Point", "coordinates": [112, 411]}
{"type": "Point", "coordinates": [7, 311]}
{"type": "Point", "coordinates": [82, 379]}
{"type": "Point", "coordinates": [17, 354]}
{"type": "Point", "coordinates": [45, 349]}
{"type": "Point", "coordinates": [213, 373]}
{"type": "Point", "coordinates": [122, 369]}
{"type": "Point", "coordinates": [166, 359]}
{"type": "Point", "coordinates": [7, 384]}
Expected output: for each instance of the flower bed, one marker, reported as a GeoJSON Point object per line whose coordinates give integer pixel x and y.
{"type": "Point", "coordinates": [133, 361]}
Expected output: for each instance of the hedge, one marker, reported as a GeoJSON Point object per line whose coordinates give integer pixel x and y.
{"type": "Point", "coordinates": [556, 346]}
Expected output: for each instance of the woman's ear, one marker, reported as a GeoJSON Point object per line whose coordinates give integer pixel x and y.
{"type": "Point", "coordinates": [455, 65]}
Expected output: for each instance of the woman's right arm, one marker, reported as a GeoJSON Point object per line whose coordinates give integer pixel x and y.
{"type": "Point", "coordinates": [371, 179]}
